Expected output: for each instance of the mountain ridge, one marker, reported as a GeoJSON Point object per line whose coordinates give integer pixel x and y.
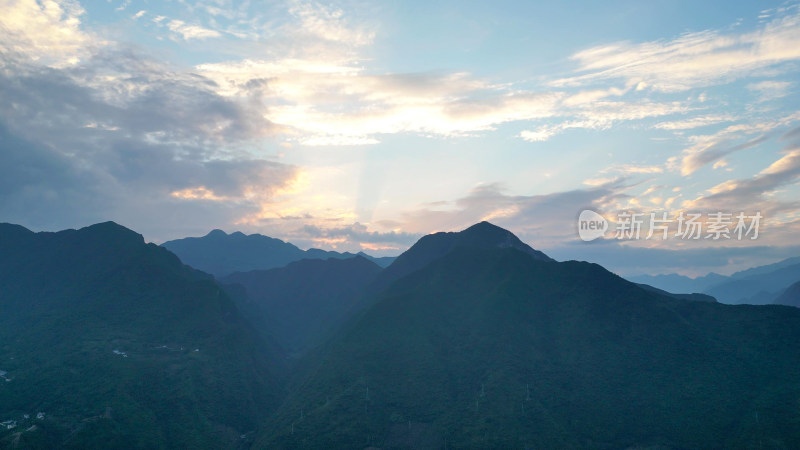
{"type": "Point", "coordinates": [303, 301]}
{"type": "Point", "coordinates": [489, 348]}
{"type": "Point", "coordinates": [433, 246]}
{"type": "Point", "coordinates": [222, 254]}
{"type": "Point", "coordinates": [121, 345]}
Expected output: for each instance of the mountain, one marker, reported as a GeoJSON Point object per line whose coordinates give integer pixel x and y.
{"type": "Point", "coordinates": [694, 297]}
{"type": "Point", "coordinates": [382, 261]}
{"type": "Point", "coordinates": [757, 286]}
{"type": "Point", "coordinates": [767, 269]}
{"type": "Point", "coordinates": [120, 345]}
{"type": "Point", "coordinates": [434, 246]}
{"type": "Point", "coordinates": [221, 254]}
{"type": "Point", "coordinates": [298, 304]}
{"type": "Point", "coordinates": [790, 297]}
{"type": "Point", "coordinates": [680, 283]}
{"type": "Point", "coordinates": [487, 347]}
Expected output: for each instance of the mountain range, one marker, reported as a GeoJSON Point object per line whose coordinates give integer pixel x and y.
{"type": "Point", "coordinates": [469, 339]}
{"type": "Point", "coordinates": [760, 285]}
{"type": "Point", "coordinates": [300, 303]}
{"type": "Point", "coordinates": [119, 345]}
{"type": "Point", "coordinates": [220, 254]}
{"type": "Point", "coordinates": [790, 297]}
{"type": "Point", "coordinates": [493, 346]}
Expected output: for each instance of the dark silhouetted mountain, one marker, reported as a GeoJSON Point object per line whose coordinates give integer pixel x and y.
{"type": "Point", "coordinates": [433, 246]}
{"type": "Point", "coordinates": [300, 303]}
{"type": "Point", "coordinates": [120, 345]}
{"type": "Point", "coordinates": [790, 297]}
{"type": "Point", "coordinates": [487, 347]}
{"type": "Point", "coordinates": [680, 283]}
{"type": "Point", "coordinates": [697, 297]}
{"type": "Point", "coordinates": [382, 261]}
{"type": "Point", "coordinates": [757, 286]}
{"type": "Point", "coordinates": [221, 254]}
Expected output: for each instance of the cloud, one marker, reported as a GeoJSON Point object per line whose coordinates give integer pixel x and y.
{"type": "Point", "coordinates": [328, 23]}
{"type": "Point", "coordinates": [757, 193]}
{"type": "Point", "coordinates": [739, 192]}
{"type": "Point", "coordinates": [707, 149]}
{"type": "Point", "coordinates": [46, 32]}
{"type": "Point", "coordinates": [770, 90]}
{"type": "Point", "coordinates": [629, 169]}
{"type": "Point", "coordinates": [308, 95]}
{"type": "Point", "coordinates": [695, 59]}
{"type": "Point", "coordinates": [123, 5]}
{"type": "Point", "coordinates": [538, 135]}
{"type": "Point", "coordinates": [357, 234]}
{"type": "Point", "coordinates": [543, 220]}
{"type": "Point", "coordinates": [191, 31]}
{"type": "Point", "coordinates": [117, 135]}
{"type": "Point", "coordinates": [602, 115]}
{"type": "Point", "coordinates": [695, 122]}
{"type": "Point", "coordinates": [627, 260]}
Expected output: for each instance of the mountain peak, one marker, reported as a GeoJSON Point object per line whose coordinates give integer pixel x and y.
{"type": "Point", "coordinates": [216, 233]}
{"type": "Point", "coordinates": [9, 228]}
{"type": "Point", "coordinates": [429, 248]}
{"type": "Point", "coordinates": [483, 224]}
{"type": "Point", "coordinates": [113, 231]}
{"type": "Point", "coordinates": [487, 235]}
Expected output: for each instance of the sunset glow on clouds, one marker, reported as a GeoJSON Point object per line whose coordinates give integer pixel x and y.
{"type": "Point", "coordinates": [361, 126]}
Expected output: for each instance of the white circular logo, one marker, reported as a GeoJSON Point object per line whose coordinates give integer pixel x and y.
{"type": "Point", "coordinates": [591, 225]}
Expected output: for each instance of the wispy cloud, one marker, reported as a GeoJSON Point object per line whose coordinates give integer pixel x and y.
{"type": "Point", "coordinates": [770, 89]}
{"type": "Point", "coordinates": [187, 31]}
{"type": "Point", "coordinates": [695, 122]}
{"type": "Point", "coordinates": [757, 192]}
{"type": "Point", "coordinates": [328, 23]}
{"type": "Point", "coordinates": [692, 60]}
{"type": "Point", "coordinates": [707, 149]}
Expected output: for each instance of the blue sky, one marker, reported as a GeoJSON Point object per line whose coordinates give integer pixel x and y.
{"type": "Point", "coordinates": [363, 125]}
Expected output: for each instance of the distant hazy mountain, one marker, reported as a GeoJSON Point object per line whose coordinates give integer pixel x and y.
{"type": "Point", "coordinates": [476, 346]}
{"type": "Point", "coordinates": [790, 297]}
{"type": "Point", "coordinates": [119, 345]}
{"type": "Point", "coordinates": [757, 286]}
{"type": "Point", "coordinates": [221, 254]}
{"type": "Point", "coordinates": [303, 301]}
{"type": "Point", "coordinates": [680, 283]}
{"type": "Point", "coordinates": [767, 269]}
{"type": "Point", "coordinates": [694, 297]}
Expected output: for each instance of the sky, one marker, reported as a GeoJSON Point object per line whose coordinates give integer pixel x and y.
{"type": "Point", "coordinates": [364, 125]}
